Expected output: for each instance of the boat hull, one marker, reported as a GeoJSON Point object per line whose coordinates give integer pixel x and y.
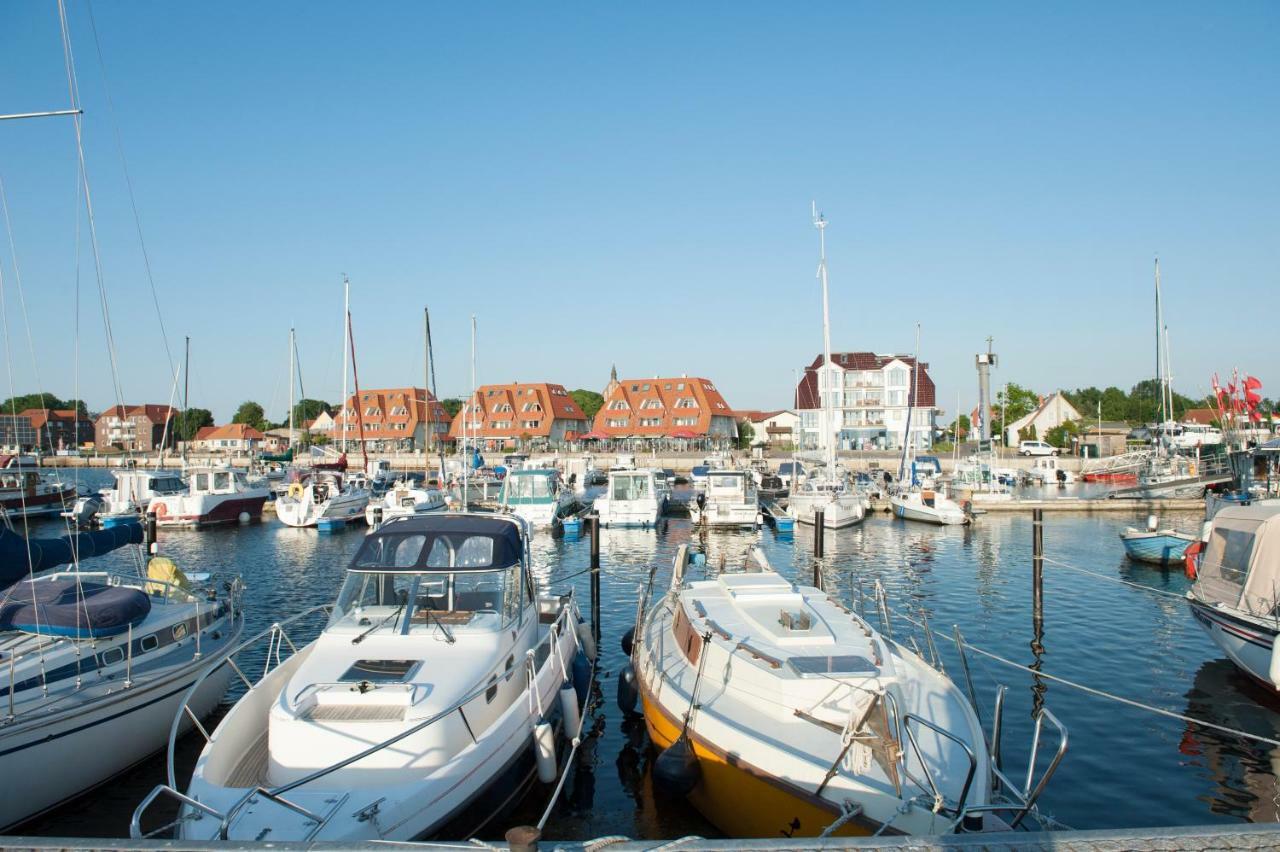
{"type": "Point", "coordinates": [908, 512]}
{"type": "Point", "coordinates": [71, 753]}
{"type": "Point", "coordinates": [207, 510]}
{"type": "Point", "coordinates": [1159, 548]}
{"type": "Point", "coordinates": [1246, 643]}
{"type": "Point", "coordinates": [776, 808]}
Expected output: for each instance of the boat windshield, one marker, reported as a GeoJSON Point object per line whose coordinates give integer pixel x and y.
{"type": "Point", "coordinates": [529, 487]}
{"type": "Point", "coordinates": [420, 600]}
{"type": "Point", "coordinates": [725, 482]}
{"type": "Point", "coordinates": [630, 488]}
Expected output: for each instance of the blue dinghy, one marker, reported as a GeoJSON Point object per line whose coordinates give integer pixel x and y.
{"type": "Point", "coordinates": [1157, 547]}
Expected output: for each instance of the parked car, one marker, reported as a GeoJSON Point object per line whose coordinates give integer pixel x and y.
{"type": "Point", "coordinates": [1036, 448]}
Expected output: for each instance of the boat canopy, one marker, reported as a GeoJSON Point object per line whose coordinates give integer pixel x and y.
{"type": "Point", "coordinates": [435, 541]}
{"type": "Point", "coordinates": [1241, 564]}
{"type": "Point", "coordinates": [20, 556]}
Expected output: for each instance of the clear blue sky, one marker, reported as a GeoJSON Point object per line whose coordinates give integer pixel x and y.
{"type": "Point", "coordinates": [606, 184]}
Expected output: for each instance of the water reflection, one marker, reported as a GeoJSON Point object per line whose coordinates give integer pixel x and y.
{"type": "Point", "coordinates": [1124, 640]}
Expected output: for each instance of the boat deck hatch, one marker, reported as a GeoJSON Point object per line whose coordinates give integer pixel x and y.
{"type": "Point", "coordinates": [837, 664]}
{"type": "Point", "coordinates": [795, 620]}
{"type": "Point", "coordinates": [381, 671]}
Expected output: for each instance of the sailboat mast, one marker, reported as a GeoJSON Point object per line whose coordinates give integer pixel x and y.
{"type": "Point", "coordinates": [291, 387]}
{"type": "Point", "coordinates": [426, 397]}
{"type": "Point", "coordinates": [1160, 379]}
{"type": "Point", "coordinates": [828, 416]}
{"type": "Point", "coordinates": [346, 337]}
{"type": "Point", "coordinates": [466, 475]}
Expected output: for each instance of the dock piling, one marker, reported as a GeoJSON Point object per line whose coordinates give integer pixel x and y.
{"type": "Point", "coordinates": [1037, 561]}
{"type": "Point", "coordinates": [149, 534]}
{"type": "Point", "coordinates": [593, 521]}
{"type": "Point", "coordinates": [819, 530]}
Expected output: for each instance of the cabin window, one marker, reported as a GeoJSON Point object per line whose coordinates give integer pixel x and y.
{"type": "Point", "coordinates": [111, 656]}
{"type": "Point", "coordinates": [478, 591]}
{"type": "Point", "coordinates": [511, 595]}
{"type": "Point", "coordinates": [221, 480]}
{"type": "Point", "coordinates": [476, 551]}
{"type": "Point", "coordinates": [202, 482]}
{"type": "Point", "coordinates": [1237, 545]}
{"type": "Point", "coordinates": [630, 488]}
{"type": "Point", "coordinates": [492, 692]}
{"type": "Point", "coordinates": [149, 643]}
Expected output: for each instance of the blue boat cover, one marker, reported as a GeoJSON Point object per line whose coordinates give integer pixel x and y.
{"type": "Point", "coordinates": [71, 607]}
{"type": "Point", "coordinates": [433, 540]}
{"type": "Point", "coordinates": [15, 563]}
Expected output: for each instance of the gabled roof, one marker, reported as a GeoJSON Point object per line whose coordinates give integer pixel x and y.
{"type": "Point", "coordinates": [40, 416]}
{"type": "Point", "coordinates": [154, 413]}
{"type": "Point", "coordinates": [547, 401]}
{"type": "Point", "coordinates": [807, 392]}
{"type": "Point", "coordinates": [231, 431]}
{"type": "Point", "coordinates": [662, 396]}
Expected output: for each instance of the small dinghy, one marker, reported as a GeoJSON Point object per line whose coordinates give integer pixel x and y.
{"type": "Point", "coordinates": [422, 708]}
{"type": "Point", "coordinates": [1154, 545]}
{"type": "Point", "coordinates": [928, 505]}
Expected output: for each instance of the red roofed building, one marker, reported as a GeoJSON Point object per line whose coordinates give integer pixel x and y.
{"type": "Point", "coordinates": [870, 395]}
{"type": "Point", "coordinates": [59, 428]}
{"type": "Point", "coordinates": [503, 414]}
{"type": "Point", "coordinates": [684, 407]}
{"type": "Point", "coordinates": [232, 438]}
{"type": "Point", "coordinates": [394, 419]}
{"type": "Point", "coordinates": [135, 427]}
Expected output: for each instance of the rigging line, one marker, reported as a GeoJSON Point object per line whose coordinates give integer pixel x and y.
{"type": "Point", "coordinates": [128, 181]}
{"type": "Point", "coordinates": [31, 346]}
{"type": "Point", "coordinates": [1151, 589]}
{"type": "Point", "coordinates": [74, 93]}
{"type": "Point", "coordinates": [1094, 691]}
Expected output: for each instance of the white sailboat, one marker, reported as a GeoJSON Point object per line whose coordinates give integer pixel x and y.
{"type": "Point", "coordinates": [826, 489]}
{"type": "Point", "coordinates": [911, 501]}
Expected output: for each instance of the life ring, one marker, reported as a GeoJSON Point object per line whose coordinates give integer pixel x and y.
{"type": "Point", "coordinates": [161, 510]}
{"type": "Point", "coordinates": [296, 490]}
{"type": "Point", "coordinates": [1191, 558]}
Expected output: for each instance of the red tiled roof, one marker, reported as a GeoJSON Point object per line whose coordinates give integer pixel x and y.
{"type": "Point", "coordinates": [41, 416]}
{"type": "Point", "coordinates": [662, 396]}
{"type": "Point", "coordinates": [552, 403]}
{"type": "Point", "coordinates": [807, 392]}
{"type": "Point", "coordinates": [398, 411]}
{"type": "Point", "coordinates": [154, 413]}
{"type": "Point", "coordinates": [1203, 416]}
{"type": "Point", "coordinates": [231, 431]}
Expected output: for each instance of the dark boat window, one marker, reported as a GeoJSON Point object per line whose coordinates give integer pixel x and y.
{"type": "Point", "coordinates": [111, 656]}
{"type": "Point", "coordinates": [149, 643]}
{"type": "Point", "coordinates": [380, 671]}
{"type": "Point", "coordinates": [838, 664]}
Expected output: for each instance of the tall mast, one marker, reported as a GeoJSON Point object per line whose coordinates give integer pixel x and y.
{"type": "Point", "coordinates": [1160, 380]}
{"type": "Point", "coordinates": [291, 345]}
{"type": "Point", "coordinates": [426, 397]}
{"type": "Point", "coordinates": [828, 431]}
{"type": "Point", "coordinates": [346, 338]}
{"type": "Point", "coordinates": [186, 376]}
{"type": "Point", "coordinates": [911, 410]}
{"type": "Point", "coordinates": [470, 414]}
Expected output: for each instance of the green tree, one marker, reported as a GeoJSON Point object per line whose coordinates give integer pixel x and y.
{"type": "Point", "coordinates": [1060, 436]}
{"type": "Point", "coordinates": [1013, 403]}
{"type": "Point", "coordinates": [452, 405]}
{"type": "Point", "coordinates": [308, 409]}
{"type": "Point", "coordinates": [960, 427]}
{"type": "Point", "coordinates": [589, 401]}
{"type": "Point", "coordinates": [746, 434]}
{"type": "Point", "coordinates": [191, 421]}
{"type": "Point", "coordinates": [37, 400]}
{"type": "Point", "coordinates": [251, 414]}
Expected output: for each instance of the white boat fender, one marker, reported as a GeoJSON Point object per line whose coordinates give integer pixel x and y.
{"type": "Point", "coordinates": [628, 695]}
{"type": "Point", "coordinates": [586, 640]}
{"type": "Point", "coordinates": [544, 751]}
{"type": "Point", "coordinates": [1153, 523]}
{"type": "Point", "coordinates": [676, 769]}
{"type": "Point", "coordinates": [243, 517]}
{"type": "Point", "coordinates": [628, 641]}
{"type": "Point", "coordinates": [572, 717]}
{"type": "Point", "coordinates": [1274, 672]}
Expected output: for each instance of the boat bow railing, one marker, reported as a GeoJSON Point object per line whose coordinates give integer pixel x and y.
{"type": "Point", "coordinates": [564, 625]}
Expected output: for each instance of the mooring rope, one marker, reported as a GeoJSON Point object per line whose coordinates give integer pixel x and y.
{"type": "Point", "coordinates": [1152, 589]}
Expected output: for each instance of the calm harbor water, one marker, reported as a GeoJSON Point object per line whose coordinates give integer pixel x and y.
{"type": "Point", "coordinates": [1125, 767]}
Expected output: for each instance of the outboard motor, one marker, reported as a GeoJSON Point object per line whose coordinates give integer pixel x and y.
{"type": "Point", "coordinates": [84, 509]}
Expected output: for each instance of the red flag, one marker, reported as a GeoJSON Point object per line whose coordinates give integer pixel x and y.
{"type": "Point", "coordinates": [1250, 386]}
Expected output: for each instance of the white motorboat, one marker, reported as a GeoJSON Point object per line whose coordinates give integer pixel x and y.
{"type": "Point", "coordinates": [88, 703]}
{"type": "Point", "coordinates": [729, 500]}
{"type": "Point", "coordinates": [842, 506]}
{"type": "Point", "coordinates": [214, 495]}
{"type": "Point", "coordinates": [1048, 470]}
{"type": "Point", "coordinates": [929, 506]}
{"type": "Point", "coordinates": [26, 490]}
{"type": "Point", "coordinates": [418, 710]}
{"type": "Point", "coordinates": [538, 496]}
{"type": "Point", "coordinates": [321, 496]}
{"type": "Point", "coordinates": [404, 498]}
{"type": "Point", "coordinates": [631, 499]}
{"type": "Point", "coordinates": [1235, 595]}
{"type": "Point", "coordinates": [663, 481]}
{"type": "Point", "coordinates": [780, 712]}
{"type": "Point", "coordinates": [977, 478]}
{"type": "Point", "coordinates": [129, 496]}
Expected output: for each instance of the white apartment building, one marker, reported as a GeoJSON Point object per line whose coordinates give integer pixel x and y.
{"type": "Point", "coordinates": [869, 396]}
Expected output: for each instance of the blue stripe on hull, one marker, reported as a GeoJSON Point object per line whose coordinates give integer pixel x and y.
{"type": "Point", "coordinates": [1157, 549]}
